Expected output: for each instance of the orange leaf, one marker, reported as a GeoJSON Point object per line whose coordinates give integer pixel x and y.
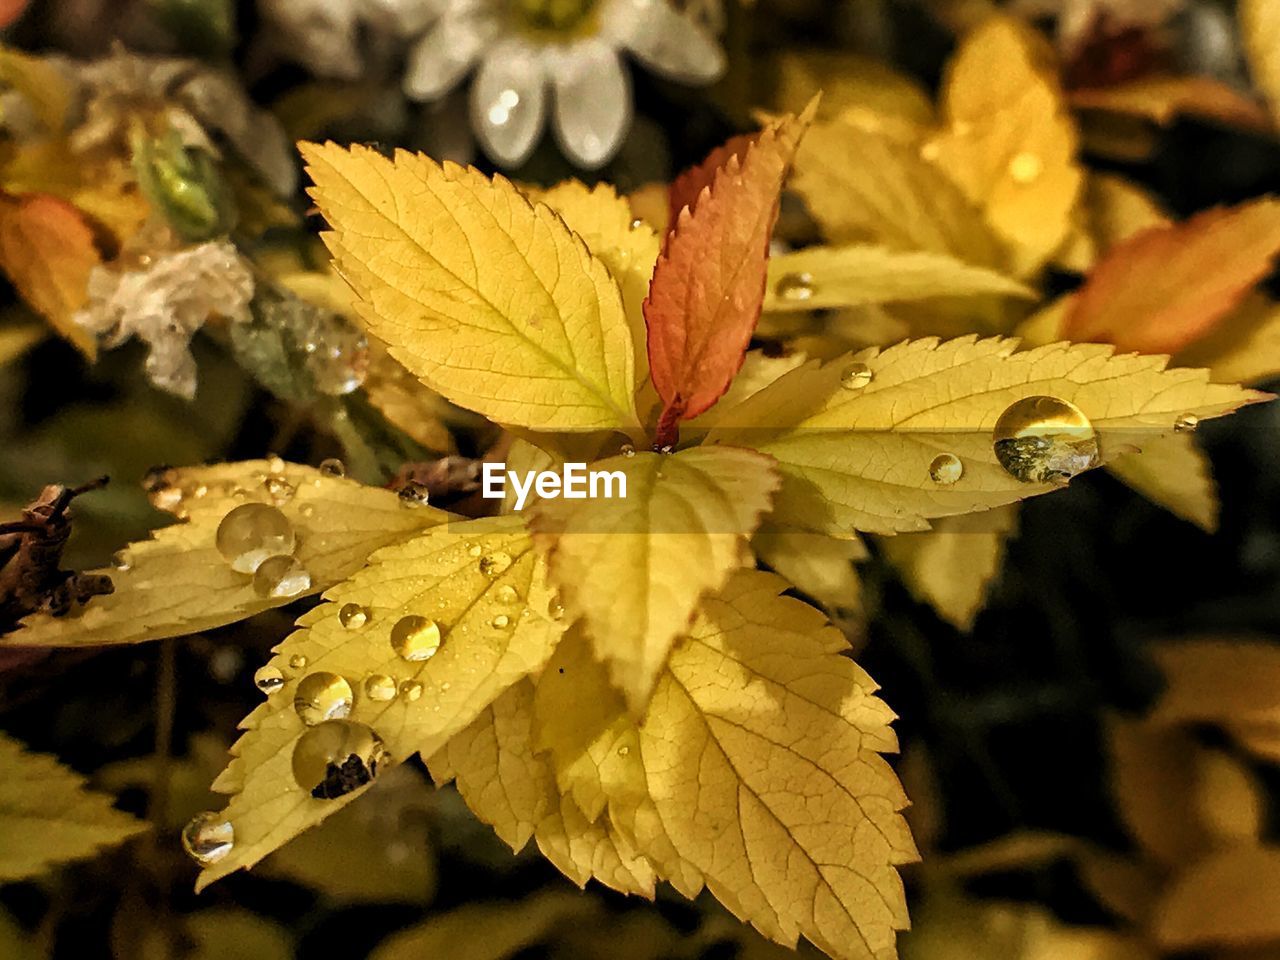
{"type": "Point", "coordinates": [709, 282]}
{"type": "Point", "coordinates": [1166, 287]}
{"type": "Point", "coordinates": [687, 187]}
{"type": "Point", "coordinates": [48, 252]}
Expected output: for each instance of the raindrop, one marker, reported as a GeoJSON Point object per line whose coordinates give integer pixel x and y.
{"type": "Point", "coordinates": [495, 564]}
{"type": "Point", "coordinates": [856, 376]}
{"type": "Point", "coordinates": [120, 560]}
{"type": "Point", "coordinates": [208, 837]}
{"type": "Point", "coordinates": [298, 662]}
{"type": "Point", "coordinates": [414, 494]}
{"type": "Point", "coordinates": [410, 690]}
{"type": "Point", "coordinates": [333, 467]}
{"type": "Point", "coordinates": [322, 696]}
{"type": "Point", "coordinates": [275, 464]}
{"type": "Point", "coordinates": [624, 750]}
{"type": "Point", "coordinates": [1186, 423]}
{"type": "Point", "coordinates": [1045, 440]}
{"type": "Point", "coordinates": [474, 549]}
{"type": "Point", "coordinates": [250, 533]}
{"type": "Point", "coordinates": [555, 609]}
{"type": "Point", "coordinates": [281, 576]}
{"type": "Point", "coordinates": [1025, 168]}
{"type": "Point", "coordinates": [268, 679]}
{"type": "Point", "coordinates": [353, 616]}
{"type": "Point", "coordinates": [307, 510]}
{"type": "Point", "coordinates": [336, 757]}
{"type": "Point", "coordinates": [795, 287]}
{"type": "Point", "coordinates": [946, 469]}
{"type": "Point", "coordinates": [279, 489]}
{"type": "Point", "coordinates": [415, 638]}
{"type": "Point", "coordinates": [628, 450]}
{"type": "Point", "coordinates": [379, 687]}
{"type": "Point", "coordinates": [507, 594]}
{"type": "Point", "coordinates": [502, 621]}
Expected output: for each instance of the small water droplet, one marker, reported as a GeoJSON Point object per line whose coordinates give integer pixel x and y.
{"type": "Point", "coordinates": [555, 609]}
{"type": "Point", "coordinates": [298, 662]}
{"type": "Point", "coordinates": [1186, 423]}
{"type": "Point", "coordinates": [1025, 168]}
{"type": "Point", "coordinates": [502, 621]}
{"type": "Point", "coordinates": [628, 450]}
{"type": "Point", "coordinates": [410, 690]}
{"type": "Point", "coordinates": [379, 687]}
{"type": "Point", "coordinates": [333, 467]}
{"type": "Point", "coordinates": [414, 494]}
{"type": "Point", "coordinates": [275, 464]}
{"type": "Point", "coordinates": [121, 561]}
{"type": "Point", "coordinates": [307, 510]}
{"type": "Point", "coordinates": [279, 489]}
{"type": "Point", "coordinates": [208, 837]}
{"type": "Point", "coordinates": [281, 576]}
{"type": "Point", "coordinates": [507, 594]}
{"type": "Point", "coordinates": [474, 549]}
{"type": "Point", "coordinates": [322, 696]}
{"type": "Point", "coordinates": [856, 376]}
{"type": "Point", "coordinates": [495, 564]}
{"type": "Point", "coordinates": [200, 491]}
{"type": "Point", "coordinates": [415, 638]}
{"type": "Point", "coordinates": [1045, 440]}
{"type": "Point", "coordinates": [268, 679]}
{"type": "Point", "coordinates": [353, 616]}
{"type": "Point", "coordinates": [795, 287]}
{"type": "Point", "coordinates": [337, 757]}
{"type": "Point", "coordinates": [445, 686]}
{"type": "Point", "coordinates": [250, 533]}
{"type": "Point", "coordinates": [637, 223]}
{"type": "Point", "coordinates": [624, 751]}
{"type": "Point", "coordinates": [946, 469]}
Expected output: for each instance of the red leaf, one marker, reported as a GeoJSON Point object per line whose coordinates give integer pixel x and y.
{"type": "Point", "coordinates": [687, 187]}
{"type": "Point", "coordinates": [1168, 286]}
{"type": "Point", "coordinates": [709, 282]}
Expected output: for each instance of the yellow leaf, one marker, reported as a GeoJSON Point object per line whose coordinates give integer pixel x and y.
{"type": "Point", "coordinates": [47, 816]}
{"type": "Point", "coordinates": [230, 933]}
{"type": "Point", "coordinates": [951, 566]}
{"type": "Point", "coordinates": [865, 187]}
{"type": "Point", "coordinates": [17, 338]}
{"type": "Point", "coordinates": [757, 372]}
{"type": "Point", "coordinates": [489, 299]}
{"type": "Point", "coordinates": [178, 583]}
{"type": "Point", "coordinates": [1119, 209]}
{"type": "Point", "coordinates": [1260, 31]}
{"type": "Point", "coordinates": [634, 568]}
{"type": "Point", "coordinates": [857, 440]}
{"type": "Point", "coordinates": [413, 648]}
{"type": "Point", "coordinates": [1229, 899]}
{"type": "Point", "coordinates": [825, 277]}
{"type": "Point", "coordinates": [513, 789]}
{"type": "Point", "coordinates": [43, 85]}
{"type": "Point", "coordinates": [1244, 348]}
{"type": "Point", "coordinates": [1218, 681]}
{"type": "Point", "coordinates": [1009, 142]}
{"type": "Point", "coordinates": [1174, 473]}
{"type": "Point", "coordinates": [1229, 801]}
{"type": "Point", "coordinates": [819, 565]}
{"type": "Point", "coordinates": [848, 82]}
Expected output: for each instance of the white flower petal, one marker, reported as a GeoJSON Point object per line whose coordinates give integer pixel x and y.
{"type": "Point", "coordinates": [508, 102]}
{"type": "Point", "coordinates": [664, 40]}
{"type": "Point", "coordinates": [448, 50]}
{"type": "Point", "coordinates": [593, 102]}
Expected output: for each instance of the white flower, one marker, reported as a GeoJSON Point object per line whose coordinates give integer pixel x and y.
{"type": "Point", "coordinates": [557, 56]}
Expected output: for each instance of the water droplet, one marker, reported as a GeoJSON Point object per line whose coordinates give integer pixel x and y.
{"type": "Point", "coordinates": [268, 679]}
{"type": "Point", "coordinates": [474, 549]}
{"type": "Point", "coordinates": [445, 686]}
{"type": "Point", "coordinates": [121, 561]}
{"type": "Point", "coordinates": [200, 491]}
{"type": "Point", "coordinates": [628, 450]}
{"type": "Point", "coordinates": [298, 662]}
{"type": "Point", "coordinates": [333, 467]}
{"type": "Point", "coordinates": [410, 690]}
{"type": "Point", "coordinates": [502, 621]}
{"type": "Point", "coordinates": [1026, 168]}
{"type": "Point", "coordinates": [637, 223]}
{"type": "Point", "coordinates": [208, 837]}
{"type": "Point", "coordinates": [795, 287]}
{"type": "Point", "coordinates": [414, 494]}
{"type": "Point", "coordinates": [555, 609]}
{"type": "Point", "coordinates": [856, 376]}
{"type": "Point", "coordinates": [495, 564]}
{"type": "Point", "coordinates": [1045, 440]}
{"type": "Point", "coordinates": [322, 696]}
{"type": "Point", "coordinates": [336, 757]}
{"type": "Point", "coordinates": [1186, 423]}
{"type": "Point", "coordinates": [415, 638]}
{"type": "Point", "coordinates": [279, 489]}
{"type": "Point", "coordinates": [353, 616]}
{"type": "Point", "coordinates": [275, 464]}
{"type": "Point", "coordinates": [250, 533]}
{"type": "Point", "coordinates": [281, 576]}
{"type": "Point", "coordinates": [624, 751]}
{"type": "Point", "coordinates": [379, 687]}
{"type": "Point", "coordinates": [946, 469]}
{"type": "Point", "coordinates": [507, 594]}
{"type": "Point", "coordinates": [307, 510]}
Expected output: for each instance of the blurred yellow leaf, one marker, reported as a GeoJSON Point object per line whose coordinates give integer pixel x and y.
{"type": "Point", "coordinates": [848, 81]}
{"type": "Point", "coordinates": [1163, 98]}
{"type": "Point", "coordinates": [1219, 681]}
{"type": "Point", "coordinates": [1260, 32]}
{"type": "Point", "coordinates": [1243, 348]}
{"type": "Point", "coordinates": [1229, 899]}
{"type": "Point", "coordinates": [232, 933]}
{"type": "Point", "coordinates": [1174, 473]}
{"type": "Point", "coordinates": [17, 338]}
{"type": "Point", "coordinates": [821, 566]}
{"type": "Point", "coordinates": [41, 83]}
{"type": "Point", "coordinates": [1228, 799]}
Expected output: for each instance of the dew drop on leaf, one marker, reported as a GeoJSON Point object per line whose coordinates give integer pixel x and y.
{"type": "Point", "coordinates": [250, 533]}
{"type": "Point", "coordinates": [410, 690]}
{"type": "Point", "coordinates": [507, 594]}
{"type": "Point", "coordinates": [855, 376]}
{"type": "Point", "coordinates": [322, 696]}
{"type": "Point", "coordinates": [502, 621]}
{"type": "Point", "coordinates": [628, 450]}
{"type": "Point", "coordinates": [333, 467]}
{"type": "Point", "coordinates": [281, 576]}
{"type": "Point", "coordinates": [379, 687]}
{"type": "Point", "coordinates": [415, 638]}
{"type": "Point", "coordinates": [279, 489]}
{"type": "Point", "coordinates": [268, 679]}
{"type": "Point", "coordinates": [307, 510]}
{"type": "Point", "coordinates": [208, 837]}
{"type": "Point", "coordinates": [1186, 423]}
{"type": "Point", "coordinates": [336, 757]}
{"type": "Point", "coordinates": [353, 616]}
{"type": "Point", "coordinates": [1045, 440]}
{"type": "Point", "coordinates": [555, 609]}
{"type": "Point", "coordinates": [120, 560]}
{"type": "Point", "coordinates": [495, 564]}
{"type": "Point", "coordinates": [298, 662]}
{"type": "Point", "coordinates": [414, 494]}
{"type": "Point", "coordinates": [795, 287]}
{"type": "Point", "coordinates": [946, 469]}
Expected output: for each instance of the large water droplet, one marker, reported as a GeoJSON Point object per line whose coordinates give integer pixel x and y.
{"type": "Point", "coordinates": [379, 687]}
{"type": "Point", "coordinates": [250, 533]}
{"type": "Point", "coordinates": [495, 564]}
{"type": "Point", "coordinates": [268, 679]}
{"type": "Point", "coordinates": [281, 576]}
{"type": "Point", "coordinates": [332, 467]}
{"type": "Point", "coordinates": [856, 376]}
{"type": "Point", "coordinates": [208, 837]}
{"type": "Point", "coordinates": [335, 757]}
{"type": "Point", "coordinates": [795, 287]}
{"type": "Point", "coordinates": [415, 638]}
{"type": "Point", "coordinates": [322, 696]}
{"type": "Point", "coordinates": [353, 616]}
{"type": "Point", "coordinates": [1045, 440]}
{"type": "Point", "coordinates": [946, 469]}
